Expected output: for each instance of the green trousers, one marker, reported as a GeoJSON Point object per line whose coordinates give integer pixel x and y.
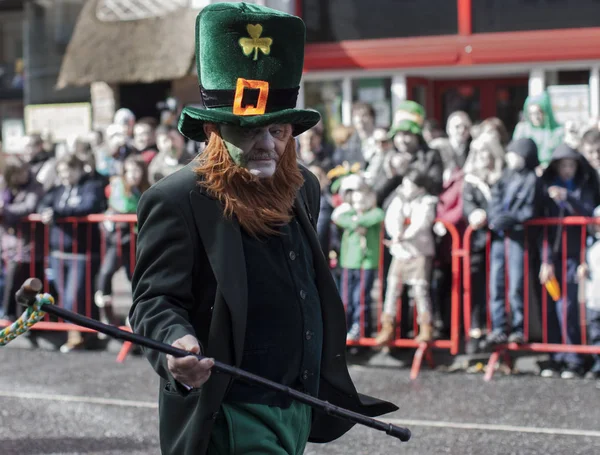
{"type": "Point", "coordinates": [256, 429]}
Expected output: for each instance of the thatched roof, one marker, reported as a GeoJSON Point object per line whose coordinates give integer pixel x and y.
{"type": "Point", "coordinates": [145, 50]}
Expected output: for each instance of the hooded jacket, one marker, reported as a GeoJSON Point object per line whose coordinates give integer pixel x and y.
{"type": "Point", "coordinates": [516, 198]}
{"type": "Point", "coordinates": [547, 136]}
{"type": "Point", "coordinates": [415, 239]}
{"type": "Point", "coordinates": [583, 195]}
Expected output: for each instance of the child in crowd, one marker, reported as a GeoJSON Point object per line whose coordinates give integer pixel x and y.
{"type": "Point", "coordinates": [482, 170]}
{"type": "Point", "coordinates": [124, 193]}
{"type": "Point", "coordinates": [359, 256]}
{"type": "Point", "coordinates": [570, 188]}
{"type": "Point", "coordinates": [515, 199]}
{"type": "Point", "coordinates": [408, 222]}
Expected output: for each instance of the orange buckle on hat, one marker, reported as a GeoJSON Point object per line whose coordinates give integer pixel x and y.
{"type": "Point", "coordinates": [261, 104]}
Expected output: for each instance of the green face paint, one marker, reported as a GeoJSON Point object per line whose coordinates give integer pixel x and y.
{"type": "Point", "coordinates": [236, 154]}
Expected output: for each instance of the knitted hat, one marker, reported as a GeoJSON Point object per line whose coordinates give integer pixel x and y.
{"type": "Point", "coordinates": [409, 117]}
{"type": "Point", "coordinates": [249, 60]}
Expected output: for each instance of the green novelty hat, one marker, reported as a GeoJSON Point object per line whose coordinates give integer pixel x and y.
{"type": "Point", "coordinates": [249, 60]}
{"type": "Point", "coordinates": [409, 117]}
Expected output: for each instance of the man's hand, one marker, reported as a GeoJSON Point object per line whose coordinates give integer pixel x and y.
{"type": "Point", "coordinates": [477, 219]}
{"type": "Point", "coordinates": [439, 229]}
{"type": "Point", "coordinates": [546, 273]}
{"type": "Point", "coordinates": [583, 273]}
{"type": "Point", "coordinates": [399, 162]}
{"type": "Point", "coordinates": [362, 230]}
{"type": "Point", "coordinates": [189, 370]}
{"type": "Point", "coordinates": [47, 215]}
{"type": "Point", "coordinates": [557, 193]}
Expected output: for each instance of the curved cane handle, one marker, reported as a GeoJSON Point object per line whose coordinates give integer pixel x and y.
{"type": "Point", "coordinates": [28, 291]}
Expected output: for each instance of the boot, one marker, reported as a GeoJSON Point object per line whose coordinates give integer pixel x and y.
{"type": "Point", "coordinates": [105, 310]}
{"type": "Point", "coordinates": [387, 331]}
{"type": "Point", "coordinates": [425, 333]}
{"type": "Point", "coordinates": [74, 341]}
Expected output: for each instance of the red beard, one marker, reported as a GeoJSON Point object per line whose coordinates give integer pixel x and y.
{"type": "Point", "coordinates": [260, 205]}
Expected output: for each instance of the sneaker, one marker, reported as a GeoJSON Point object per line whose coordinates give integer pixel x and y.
{"type": "Point", "coordinates": [353, 333]}
{"type": "Point", "coordinates": [592, 375]}
{"type": "Point", "coordinates": [548, 373]}
{"type": "Point", "coordinates": [550, 370]}
{"type": "Point", "coordinates": [571, 372]}
{"type": "Point", "coordinates": [496, 338]}
{"type": "Point", "coordinates": [516, 337]}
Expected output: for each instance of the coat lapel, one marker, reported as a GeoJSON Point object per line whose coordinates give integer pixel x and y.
{"type": "Point", "coordinates": [222, 241]}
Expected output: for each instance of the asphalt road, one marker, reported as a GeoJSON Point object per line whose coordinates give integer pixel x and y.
{"type": "Point", "coordinates": [86, 403]}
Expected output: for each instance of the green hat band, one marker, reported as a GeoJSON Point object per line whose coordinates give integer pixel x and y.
{"type": "Point", "coordinates": [277, 99]}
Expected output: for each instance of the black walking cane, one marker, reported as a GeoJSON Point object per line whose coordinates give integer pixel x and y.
{"type": "Point", "coordinates": [27, 295]}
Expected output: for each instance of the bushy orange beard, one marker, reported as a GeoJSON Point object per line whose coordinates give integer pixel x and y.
{"type": "Point", "coordinates": [260, 205]}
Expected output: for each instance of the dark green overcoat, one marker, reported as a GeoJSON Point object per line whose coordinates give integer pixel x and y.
{"type": "Point", "coordinates": [190, 278]}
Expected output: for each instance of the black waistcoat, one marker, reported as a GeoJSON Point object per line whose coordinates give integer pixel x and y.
{"type": "Point", "coordinates": [284, 329]}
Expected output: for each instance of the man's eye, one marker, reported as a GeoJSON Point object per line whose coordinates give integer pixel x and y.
{"type": "Point", "coordinates": [278, 132]}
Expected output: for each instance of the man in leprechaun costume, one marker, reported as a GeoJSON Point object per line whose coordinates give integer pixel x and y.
{"type": "Point", "coordinates": [228, 260]}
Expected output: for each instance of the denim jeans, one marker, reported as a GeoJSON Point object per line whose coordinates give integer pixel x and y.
{"type": "Point", "coordinates": [478, 291]}
{"type": "Point", "coordinates": [68, 275]}
{"type": "Point", "coordinates": [351, 293]}
{"type": "Point", "coordinates": [593, 319]}
{"type": "Point", "coordinates": [572, 329]}
{"type": "Point", "coordinates": [515, 282]}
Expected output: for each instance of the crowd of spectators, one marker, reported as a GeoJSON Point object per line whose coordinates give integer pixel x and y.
{"type": "Point", "coordinates": [408, 182]}
{"type": "Point", "coordinates": [388, 197]}
{"type": "Point", "coordinates": [105, 173]}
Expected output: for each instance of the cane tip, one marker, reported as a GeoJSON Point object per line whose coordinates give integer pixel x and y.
{"type": "Point", "coordinates": [33, 285]}
{"type": "Point", "coordinates": [398, 432]}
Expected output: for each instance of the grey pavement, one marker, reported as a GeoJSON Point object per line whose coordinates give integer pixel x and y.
{"type": "Point", "coordinates": [86, 403]}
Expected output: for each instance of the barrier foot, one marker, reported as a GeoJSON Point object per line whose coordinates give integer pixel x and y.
{"type": "Point", "coordinates": [126, 348]}
{"type": "Point", "coordinates": [508, 360]}
{"type": "Point", "coordinates": [423, 349]}
{"type": "Point", "coordinates": [491, 365]}
{"type": "Point", "coordinates": [429, 358]}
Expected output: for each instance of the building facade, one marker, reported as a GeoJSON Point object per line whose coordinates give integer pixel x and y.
{"type": "Point", "coordinates": [483, 57]}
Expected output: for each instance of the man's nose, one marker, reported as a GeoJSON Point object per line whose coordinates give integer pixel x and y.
{"type": "Point", "coordinates": [265, 140]}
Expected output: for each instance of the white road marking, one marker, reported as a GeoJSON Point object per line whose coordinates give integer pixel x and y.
{"type": "Point", "coordinates": [402, 422]}
{"type": "Point", "coordinates": [492, 427]}
{"type": "Point", "coordinates": [79, 399]}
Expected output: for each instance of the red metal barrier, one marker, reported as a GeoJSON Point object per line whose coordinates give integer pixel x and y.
{"type": "Point", "coordinates": [528, 346]}
{"type": "Point", "coordinates": [68, 265]}
{"type": "Point", "coordinates": [423, 349]}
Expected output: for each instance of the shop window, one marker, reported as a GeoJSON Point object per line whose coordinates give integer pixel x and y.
{"type": "Point", "coordinates": [337, 20]}
{"type": "Point", "coordinates": [465, 97]}
{"type": "Point", "coordinates": [509, 104]}
{"type": "Point", "coordinates": [325, 97]}
{"type": "Point", "coordinates": [377, 93]}
{"type": "Point", "coordinates": [517, 15]}
{"type": "Point", "coordinates": [11, 53]}
{"type": "Point", "coordinates": [574, 77]}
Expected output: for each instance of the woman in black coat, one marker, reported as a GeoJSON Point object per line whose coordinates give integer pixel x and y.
{"type": "Point", "coordinates": [482, 170]}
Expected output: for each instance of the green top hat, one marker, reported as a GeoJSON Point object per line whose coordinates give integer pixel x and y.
{"type": "Point", "coordinates": [249, 61]}
{"type": "Point", "coordinates": [409, 117]}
